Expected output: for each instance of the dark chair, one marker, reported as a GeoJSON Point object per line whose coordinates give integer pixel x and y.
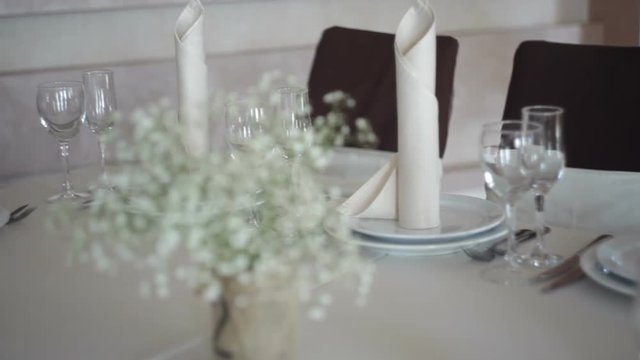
{"type": "Point", "coordinates": [599, 88]}
{"type": "Point", "coordinates": [362, 63]}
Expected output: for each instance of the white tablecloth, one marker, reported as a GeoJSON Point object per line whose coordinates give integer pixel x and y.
{"type": "Point", "coordinates": [419, 307]}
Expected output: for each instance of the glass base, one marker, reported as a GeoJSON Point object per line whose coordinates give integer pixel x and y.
{"type": "Point", "coordinates": [69, 196]}
{"type": "Point", "coordinates": [541, 261]}
{"type": "Point", "coordinates": [102, 187]}
{"type": "Point", "coordinates": [507, 273]}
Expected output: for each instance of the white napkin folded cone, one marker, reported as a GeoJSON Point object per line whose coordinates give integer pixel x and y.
{"type": "Point", "coordinates": [193, 110]}
{"type": "Point", "coordinates": [383, 185]}
{"type": "Point", "coordinates": [408, 188]}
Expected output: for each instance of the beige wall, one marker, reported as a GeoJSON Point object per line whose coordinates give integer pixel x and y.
{"type": "Point", "coordinates": [245, 38]}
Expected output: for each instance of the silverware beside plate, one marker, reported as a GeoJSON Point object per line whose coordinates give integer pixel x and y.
{"type": "Point", "coordinates": [568, 271]}
{"type": "Point", "coordinates": [486, 253]}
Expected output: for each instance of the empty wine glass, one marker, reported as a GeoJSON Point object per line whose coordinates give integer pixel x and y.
{"type": "Point", "coordinates": [100, 96]}
{"type": "Point", "coordinates": [61, 108]}
{"type": "Point", "coordinates": [509, 163]}
{"type": "Point", "coordinates": [244, 121]}
{"type": "Point", "coordinates": [294, 113]}
{"type": "Point", "coordinates": [552, 159]}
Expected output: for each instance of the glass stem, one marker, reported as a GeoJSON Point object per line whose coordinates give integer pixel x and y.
{"type": "Point", "coordinates": [511, 254]}
{"type": "Point", "coordinates": [539, 247]}
{"type": "Point", "coordinates": [64, 153]}
{"type": "Point", "coordinates": [103, 164]}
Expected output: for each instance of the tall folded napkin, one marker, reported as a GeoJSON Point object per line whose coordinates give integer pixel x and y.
{"type": "Point", "coordinates": [408, 187]}
{"type": "Point", "coordinates": [193, 96]}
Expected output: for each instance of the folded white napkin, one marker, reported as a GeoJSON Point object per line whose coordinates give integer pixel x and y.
{"type": "Point", "coordinates": [193, 95]}
{"type": "Point", "coordinates": [408, 187]}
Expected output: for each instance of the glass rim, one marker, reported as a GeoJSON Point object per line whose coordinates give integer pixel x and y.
{"type": "Point", "coordinates": [60, 84]}
{"type": "Point", "coordinates": [98, 72]}
{"type": "Point", "coordinates": [292, 90]}
{"type": "Point", "coordinates": [543, 109]}
{"type": "Point", "coordinates": [246, 100]}
{"type": "Point", "coordinates": [531, 126]}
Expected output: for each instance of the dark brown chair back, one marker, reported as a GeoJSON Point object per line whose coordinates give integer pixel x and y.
{"type": "Point", "coordinates": [599, 88]}
{"type": "Point", "coordinates": [362, 64]}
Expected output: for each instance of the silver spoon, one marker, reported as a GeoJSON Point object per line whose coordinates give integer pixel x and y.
{"type": "Point", "coordinates": [487, 253]}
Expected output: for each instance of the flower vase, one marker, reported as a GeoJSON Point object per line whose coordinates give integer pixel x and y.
{"type": "Point", "coordinates": [256, 322]}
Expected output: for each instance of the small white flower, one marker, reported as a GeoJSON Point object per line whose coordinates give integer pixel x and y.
{"type": "Point", "coordinates": [317, 313]}
{"type": "Point", "coordinates": [326, 299]}
{"type": "Point", "coordinates": [212, 292]}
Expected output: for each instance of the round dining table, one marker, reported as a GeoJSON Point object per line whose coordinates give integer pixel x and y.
{"type": "Point", "coordinates": [419, 307]}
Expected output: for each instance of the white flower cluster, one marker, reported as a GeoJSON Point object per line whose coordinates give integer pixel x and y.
{"type": "Point", "coordinates": [333, 129]}
{"type": "Point", "coordinates": [210, 219]}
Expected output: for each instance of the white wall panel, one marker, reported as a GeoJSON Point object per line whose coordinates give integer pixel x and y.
{"type": "Point", "coordinates": [243, 40]}
{"type": "Point", "coordinates": [141, 34]}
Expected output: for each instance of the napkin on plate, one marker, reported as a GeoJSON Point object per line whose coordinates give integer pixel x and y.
{"type": "Point", "coordinates": [408, 187]}
{"type": "Point", "coordinates": [192, 77]}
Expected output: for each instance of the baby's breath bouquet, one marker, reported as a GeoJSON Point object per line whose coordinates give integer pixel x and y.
{"type": "Point", "coordinates": [217, 223]}
{"type": "Point", "coordinates": [210, 220]}
{"type": "Point", "coordinates": [332, 129]}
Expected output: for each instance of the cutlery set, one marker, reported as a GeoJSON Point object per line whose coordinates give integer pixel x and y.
{"type": "Point", "coordinates": [20, 213]}
{"type": "Point", "coordinates": [488, 253]}
{"type": "Point", "coordinates": [565, 273]}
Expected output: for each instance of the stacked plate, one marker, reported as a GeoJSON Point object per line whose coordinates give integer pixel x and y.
{"type": "Point", "coordinates": [465, 221]}
{"type": "Point", "coordinates": [614, 264]}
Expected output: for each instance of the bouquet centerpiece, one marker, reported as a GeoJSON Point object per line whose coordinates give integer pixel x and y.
{"type": "Point", "coordinates": [246, 234]}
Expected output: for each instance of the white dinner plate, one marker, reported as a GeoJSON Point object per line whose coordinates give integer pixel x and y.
{"type": "Point", "coordinates": [590, 265]}
{"type": "Point", "coordinates": [620, 255]}
{"type": "Point", "coordinates": [460, 216]}
{"type": "Point", "coordinates": [425, 248]}
{"type": "Point", "coordinates": [4, 216]}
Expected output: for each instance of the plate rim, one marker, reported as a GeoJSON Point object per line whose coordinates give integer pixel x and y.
{"type": "Point", "coordinates": [429, 248]}
{"type": "Point", "coordinates": [608, 262]}
{"type": "Point", "coordinates": [435, 237]}
{"type": "Point", "coordinates": [589, 262]}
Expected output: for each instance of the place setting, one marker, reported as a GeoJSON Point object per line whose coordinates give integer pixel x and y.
{"type": "Point", "coordinates": [400, 209]}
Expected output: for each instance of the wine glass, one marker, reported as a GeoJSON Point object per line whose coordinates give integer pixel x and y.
{"type": "Point", "coordinates": [509, 160]}
{"type": "Point", "coordinates": [100, 96]}
{"type": "Point", "coordinates": [294, 113]}
{"type": "Point", "coordinates": [244, 120]}
{"type": "Point", "coordinates": [552, 159]}
{"type": "Point", "coordinates": [61, 108]}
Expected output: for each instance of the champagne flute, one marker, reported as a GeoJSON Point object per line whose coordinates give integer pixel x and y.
{"type": "Point", "coordinates": [546, 175]}
{"type": "Point", "coordinates": [294, 113]}
{"type": "Point", "coordinates": [244, 121]}
{"type": "Point", "coordinates": [509, 163]}
{"type": "Point", "coordinates": [100, 95]}
{"type": "Point", "coordinates": [61, 108]}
